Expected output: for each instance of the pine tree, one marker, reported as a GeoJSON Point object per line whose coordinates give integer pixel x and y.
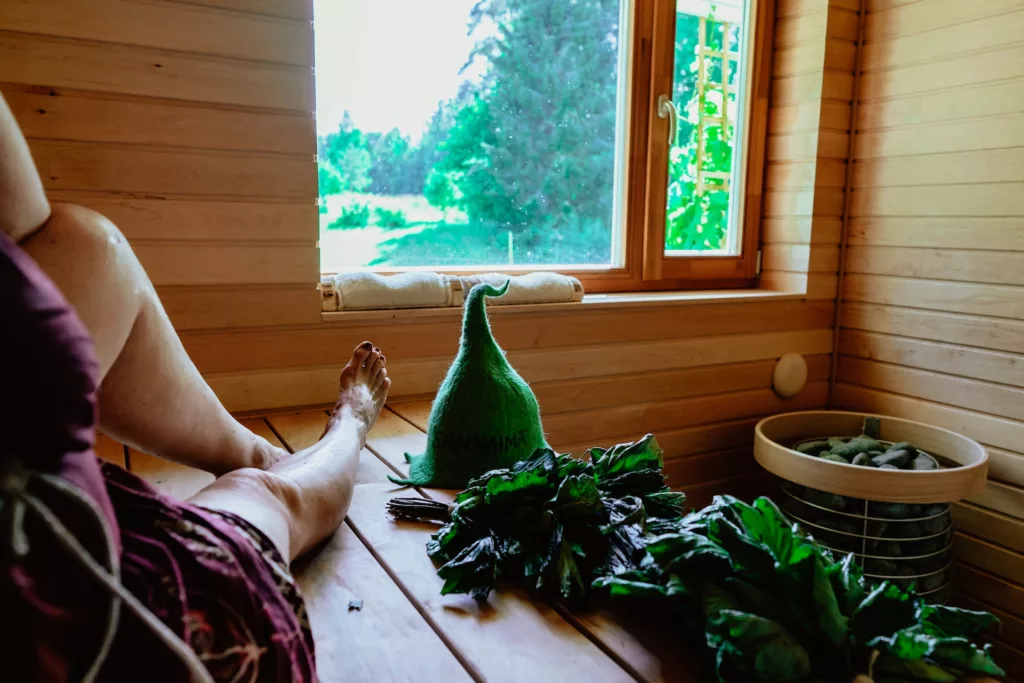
{"type": "Point", "coordinates": [534, 153]}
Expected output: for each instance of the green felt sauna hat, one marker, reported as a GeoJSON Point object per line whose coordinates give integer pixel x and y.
{"type": "Point", "coordinates": [485, 415]}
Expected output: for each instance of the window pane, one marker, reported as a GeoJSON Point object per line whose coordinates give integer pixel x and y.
{"type": "Point", "coordinates": [469, 132]}
{"type": "Point", "coordinates": [701, 210]}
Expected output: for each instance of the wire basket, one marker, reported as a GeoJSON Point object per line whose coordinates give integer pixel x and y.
{"type": "Point", "coordinates": [903, 543]}
{"type": "Point", "coordinates": [896, 523]}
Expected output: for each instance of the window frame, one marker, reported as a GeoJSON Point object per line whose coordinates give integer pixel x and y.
{"type": "Point", "coordinates": [651, 38]}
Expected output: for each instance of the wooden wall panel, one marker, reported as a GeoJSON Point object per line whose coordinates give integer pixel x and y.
{"type": "Point", "coordinates": [809, 127]}
{"type": "Point", "coordinates": [932, 311]}
{"type": "Point", "coordinates": [190, 125]}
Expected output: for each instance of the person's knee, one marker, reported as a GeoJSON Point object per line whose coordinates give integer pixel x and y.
{"type": "Point", "coordinates": [254, 482]}
{"type": "Point", "coordinates": [92, 235]}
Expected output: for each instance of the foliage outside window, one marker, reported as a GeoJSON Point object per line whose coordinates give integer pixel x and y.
{"type": "Point", "coordinates": [524, 163]}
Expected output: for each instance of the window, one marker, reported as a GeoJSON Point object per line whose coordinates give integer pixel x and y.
{"type": "Point", "coordinates": [608, 138]}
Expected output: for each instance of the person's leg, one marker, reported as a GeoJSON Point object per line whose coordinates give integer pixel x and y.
{"type": "Point", "coordinates": [151, 397]}
{"type": "Point", "coordinates": [303, 499]}
{"type": "Point", "coordinates": [23, 203]}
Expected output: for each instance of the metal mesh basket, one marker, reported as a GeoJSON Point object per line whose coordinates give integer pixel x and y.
{"type": "Point", "coordinates": [900, 542]}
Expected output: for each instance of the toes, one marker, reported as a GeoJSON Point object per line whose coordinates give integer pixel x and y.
{"type": "Point", "coordinates": [361, 352]}
{"type": "Point", "coordinates": [371, 358]}
{"type": "Point", "coordinates": [382, 390]}
{"type": "Point", "coordinates": [375, 369]}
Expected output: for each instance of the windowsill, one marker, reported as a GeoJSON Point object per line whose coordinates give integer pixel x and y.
{"type": "Point", "coordinates": [591, 302]}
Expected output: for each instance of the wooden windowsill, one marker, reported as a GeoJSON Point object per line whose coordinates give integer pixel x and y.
{"type": "Point", "coordinates": [590, 302]}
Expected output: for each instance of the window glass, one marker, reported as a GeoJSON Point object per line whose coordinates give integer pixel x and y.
{"type": "Point", "coordinates": [701, 212]}
{"type": "Point", "coordinates": [470, 133]}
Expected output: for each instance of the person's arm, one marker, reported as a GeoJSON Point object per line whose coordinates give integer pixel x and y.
{"type": "Point", "coordinates": [23, 204]}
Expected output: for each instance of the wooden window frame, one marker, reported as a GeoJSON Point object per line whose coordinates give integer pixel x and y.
{"type": "Point", "coordinates": [650, 73]}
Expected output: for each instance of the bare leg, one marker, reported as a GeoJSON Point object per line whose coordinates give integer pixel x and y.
{"type": "Point", "coordinates": [152, 397]}
{"type": "Point", "coordinates": [303, 499]}
{"type": "Point", "coordinates": [23, 203]}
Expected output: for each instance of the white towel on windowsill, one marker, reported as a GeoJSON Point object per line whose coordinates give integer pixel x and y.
{"type": "Point", "coordinates": [531, 288]}
{"type": "Point", "coordinates": [360, 291]}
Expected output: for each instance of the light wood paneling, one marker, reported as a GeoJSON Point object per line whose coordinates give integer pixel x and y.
{"type": "Point", "coordinates": [993, 366]}
{"type": "Point", "coordinates": [52, 114]}
{"type": "Point", "coordinates": [967, 330]}
{"type": "Point", "coordinates": [195, 220]}
{"type": "Point", "coordinates": [174, 26]}
{"type": "Point", "coordinates": [975, 100]}
{"type": "Point", "coordinates": [991, 267]}
{"type": "Point", "coordinates": [932, 309]}
{"type": "Point", "coordinates": [126, 70]}
{"type": "Point", "coordinates": [135, 170]}
{"type": "Point", "coordinates": [290, 9]}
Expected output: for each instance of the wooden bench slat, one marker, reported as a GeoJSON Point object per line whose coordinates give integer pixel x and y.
{"type": "Point", "coordinates": [657, 660]}
{"type": "Point", "coordinates": [388, 640]}
{"type": "Point", "coordinates": [415, 412]}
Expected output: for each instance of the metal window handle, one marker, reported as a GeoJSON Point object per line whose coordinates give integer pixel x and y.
{"type": "Point", "coordinates": [667, 108]}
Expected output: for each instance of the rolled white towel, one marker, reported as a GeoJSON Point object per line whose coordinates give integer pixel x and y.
{"type": "Point", "coordinates": [531, 288]}
{"type": "Point", "coordinates": [360, 291]}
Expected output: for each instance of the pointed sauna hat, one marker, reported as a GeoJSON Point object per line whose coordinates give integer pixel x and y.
{"type": "Point", "coordinates": [485, 415]}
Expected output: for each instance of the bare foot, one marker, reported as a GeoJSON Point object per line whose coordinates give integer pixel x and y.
{"type": "Point", "coordinates": [364, 388]}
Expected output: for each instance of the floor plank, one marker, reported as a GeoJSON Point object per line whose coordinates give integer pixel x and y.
{"type": "Point", "coordinates": [653, 657]}
{"type": "Point", "coordinates": [168, 477]}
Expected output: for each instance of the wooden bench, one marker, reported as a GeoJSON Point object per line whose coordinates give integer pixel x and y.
{"type": "Point", "coordinates": [406, 630]}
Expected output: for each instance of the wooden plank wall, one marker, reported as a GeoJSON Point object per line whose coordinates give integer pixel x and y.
{"type": "Point", "coordinates": [190, 125]}
{"type": "Point", "coordinates": [809, 125]}
{"type": "Point", "coordinates": [933, 298]}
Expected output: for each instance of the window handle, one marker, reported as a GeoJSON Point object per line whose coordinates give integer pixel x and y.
{"type": "Point", "coordinates": [667, 108]}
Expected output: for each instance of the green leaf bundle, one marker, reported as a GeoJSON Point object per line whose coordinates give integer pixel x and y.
{"type": "Point", "coordinates": [555, 522]}
{"type": "Point", "coordinates": [773, 604]}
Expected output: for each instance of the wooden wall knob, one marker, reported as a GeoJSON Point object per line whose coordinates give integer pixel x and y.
{"type": "Point", "coordinates": [790, 375]}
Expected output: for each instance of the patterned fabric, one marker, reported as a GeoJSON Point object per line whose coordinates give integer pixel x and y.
{"type": "Point", "coordinates": [216, 581]}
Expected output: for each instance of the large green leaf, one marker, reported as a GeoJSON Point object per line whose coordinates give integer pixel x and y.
{"type": "Point", "coordinates": [759, 646]}
{"type": "Point", "coordinates": [884, 611]}
{"type": "Point", "coordinates": [560, 570]}
{"type": "Point", "coordinates": [665, 503]}
{"type": "Point", "coordinates": [918, 642]}
{"type": "Point", "coordinates": [749, 558]}
{"type": "Point", "coordinates": [474, 570]}
{"type": "Point", "coordinates": [830, 618]}
{"type": "Point", "coordinates": [642, 454]}
{"type": "Point", "coordinates": [952, 621]}
{"type": "Point", "coordinates": [577, 495]}
{"type": "Point", "coordinates": [848, 583]}
{"type": "Point", "coordinates": [698, 553]}
{"type": "Point", "coordinates": [965, 656]}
